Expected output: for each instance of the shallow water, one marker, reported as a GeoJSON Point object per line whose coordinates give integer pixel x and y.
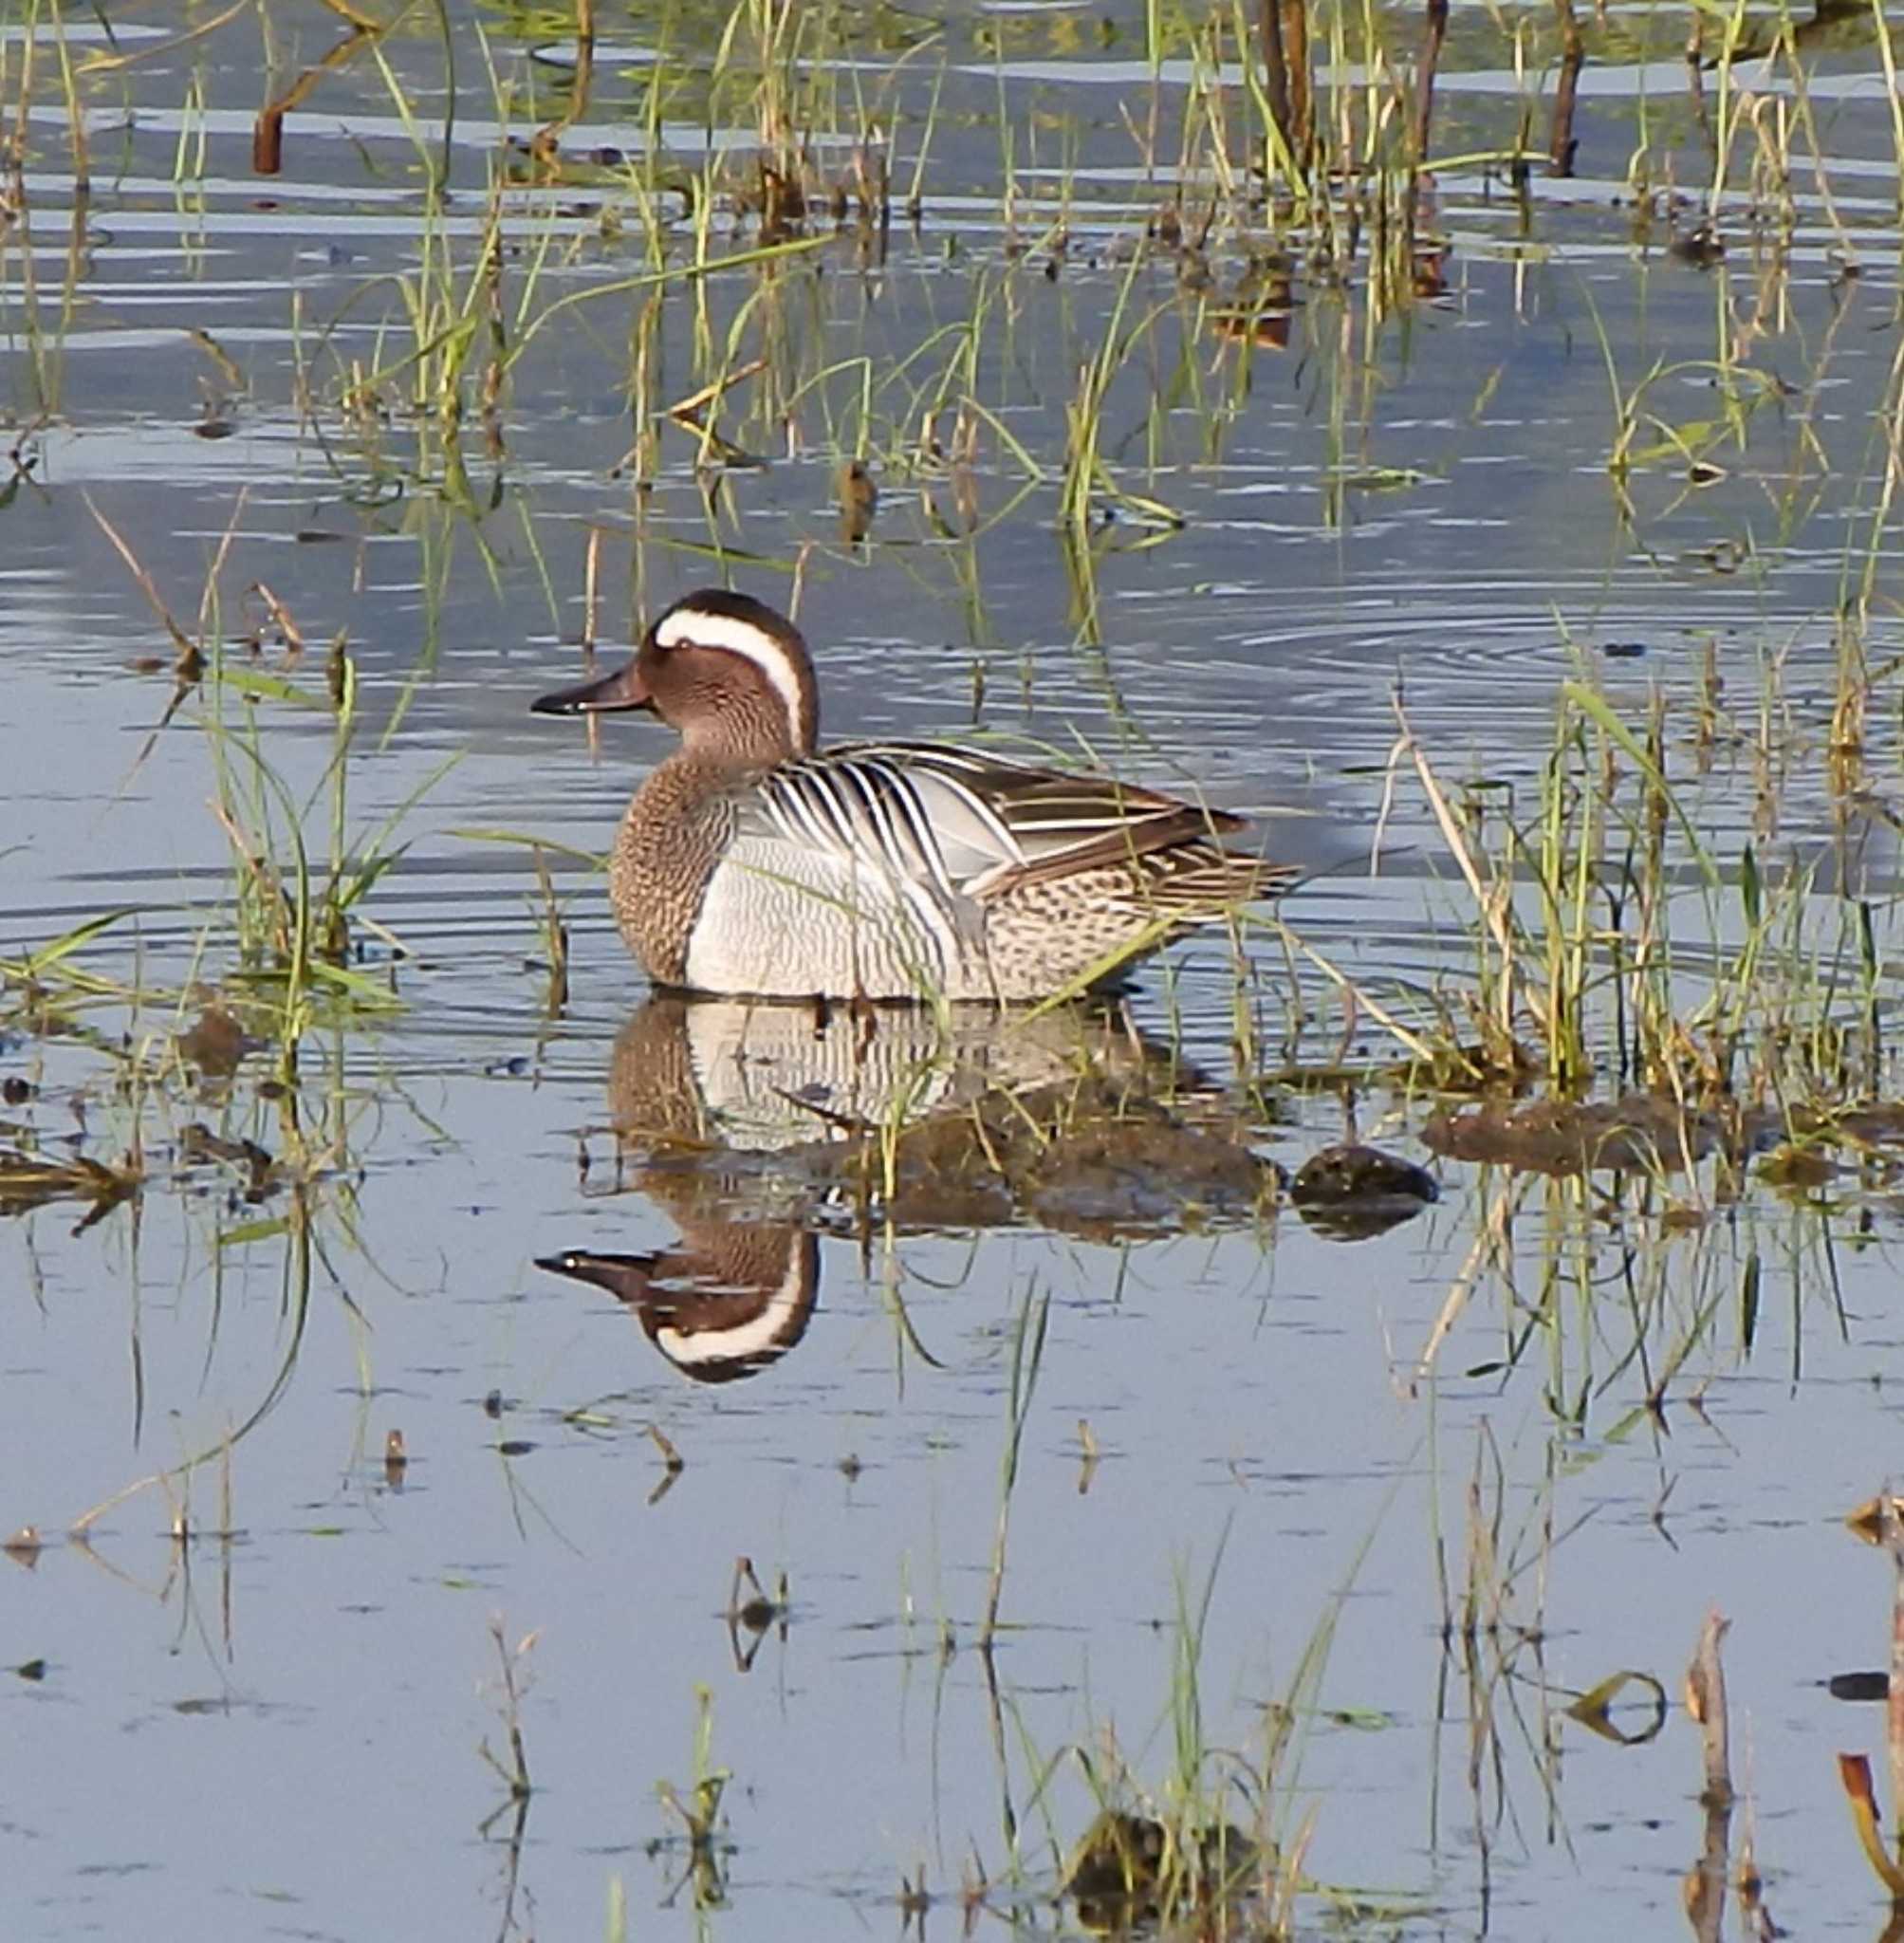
{"type": "Point", "coordinates": [272, 1725]}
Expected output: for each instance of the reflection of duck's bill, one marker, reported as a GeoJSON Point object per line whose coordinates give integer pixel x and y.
{"type": "Point", "coordinates": [718, 1312]}
{"type": "Point", "coordinates": [625, 1277]}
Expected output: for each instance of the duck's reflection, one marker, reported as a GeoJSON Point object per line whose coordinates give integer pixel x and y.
{"type": "Point", "coordinates": [728, 1300]}
{"type": "Point", "coordinates": [760, 1077]}
{"type": "Point", "coordinates": [752, 1124]}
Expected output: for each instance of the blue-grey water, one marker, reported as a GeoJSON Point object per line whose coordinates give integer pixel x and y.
{"type": "Point", "coordinates": [273, 1724]}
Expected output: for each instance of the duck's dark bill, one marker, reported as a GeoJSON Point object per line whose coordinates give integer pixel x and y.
{"type": "Point", "coordinates": [623, 1276]}
{"type": "Point", "coordinates": [624, 689]}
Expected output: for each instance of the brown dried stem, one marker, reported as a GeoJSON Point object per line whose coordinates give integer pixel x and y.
{"type": "Point", "coordinates": [1561, 141]}
{"type": "Point", "coordinates": [1433, 34]}
{"type": "Point", "coordinates": [1706, 1703]}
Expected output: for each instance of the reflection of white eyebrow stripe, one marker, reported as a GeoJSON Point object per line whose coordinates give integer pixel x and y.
{"type": "Point", "coordinates": [742, 638]}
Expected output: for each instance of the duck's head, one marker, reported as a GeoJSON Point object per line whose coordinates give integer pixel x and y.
{"type": "Point", "coordinates": [731, 675]}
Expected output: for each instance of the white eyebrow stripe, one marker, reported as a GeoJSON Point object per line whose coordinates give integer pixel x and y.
{"type": "Point", "coordinates": [696, 626]}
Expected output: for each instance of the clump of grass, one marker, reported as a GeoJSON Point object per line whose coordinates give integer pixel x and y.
{"type": "Point", "coordinates": [1217, 1843]}
{"type": "Point", "coordinates": [703, 1821]}
{"type": "Point", "coordinates": [1613, 940]}
{"type": "Point", "coordinates": [511, 1688]}
{"type": "Point", "coordinates": [298, 928]}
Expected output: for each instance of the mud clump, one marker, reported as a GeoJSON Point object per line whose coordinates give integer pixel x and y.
{"type": "Point", "coordinates": [1128, 1870]}
{"type": "Point", "coordinates": [1797, 1170]}
{"type": "Point", "coordinates": [1349, 1193]}
{"type": "Point", "coordinates": [1099, 1162]}
{"type": "Point", "coordinates": [1561, 1136]}
{"type": "Point", "coordinates": [1068, 1122]}
{"type": "Point", "coordinates": [216, 1043]}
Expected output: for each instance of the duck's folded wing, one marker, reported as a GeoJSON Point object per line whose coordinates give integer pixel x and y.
{"type": "Point", "coordinates": [966, 825]}
{"type": "Point", "coordinates": [867, 808]}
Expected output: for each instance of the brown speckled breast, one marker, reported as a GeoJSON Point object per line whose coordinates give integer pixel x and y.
{"type": "Point", "coordinates": [680, 822]}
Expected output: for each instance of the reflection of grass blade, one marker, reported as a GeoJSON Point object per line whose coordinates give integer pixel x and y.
{"type": "Point", "coordinates": [297, 1309]}
{"type": "Point", "coordinates": [1854, 1774]}
{"type": "Point", "coordinates": [1028, 1353]}
{"type": "Point", "coordinates": [28, 1181]}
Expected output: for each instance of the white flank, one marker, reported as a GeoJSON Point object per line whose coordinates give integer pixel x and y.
{"type": "Point", "coordinates": [742, 638]}
{"type": "Point", "coordinates": [786, 920]}
{"type": "Point", "coordinates": [762, 1332]}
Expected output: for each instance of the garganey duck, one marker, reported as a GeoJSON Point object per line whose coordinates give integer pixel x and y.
{"type": "Point", "coordinates": [752, 863]}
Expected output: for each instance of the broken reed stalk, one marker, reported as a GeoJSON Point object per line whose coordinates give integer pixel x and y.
{"type": "Point", "coordinates": [591, 582]}
{"type": "Point", "coordinates": [1297, 76]}
{"type": "Point", "coordinates": [1854, 1771]}
{"type": "Point", "coordinates": [76, 121]}
{"type": "Point", "coordinates": [1492, 895]}
{"type": "Point", "coordinates": [546, 143]}
{"type": "Point", "coordinates": [1894, 1710]}
{"type": "Point", "coordinates": [1561, 141]}
{"type": "Point", "coordinates": [1287, 84]}
{"type": "Point", "coordinates": [584, 54]}
{"type": "Point", "coordinates": [1705, 1892]}
{"type": "Point", "coordinates": [1706, 1703]}
{"type": "Point", "coordinates": [1275, 70]}
{"type": "Point", "coordinates": [267, 132]}
{"type": "Point", "coordinates": [1695, 76]}
{"type": "Point", "coordinates": [516, 1774]}
{"type": "Point", "coordinates": [1433, 34]}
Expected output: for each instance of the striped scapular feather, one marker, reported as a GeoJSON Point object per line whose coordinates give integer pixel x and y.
{"type": "Point", "coordinates": [975, 826]}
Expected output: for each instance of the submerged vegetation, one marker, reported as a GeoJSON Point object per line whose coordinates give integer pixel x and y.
{"type": "Point", "coordinates": [1426, 409]}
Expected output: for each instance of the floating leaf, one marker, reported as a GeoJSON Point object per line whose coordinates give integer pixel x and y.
{"type": "Point", "coordinates": [1868, 1520]}
{"type": "Point", "coordinates": [249, 1231]}
{"type": "Point", "coordinates": [1594, 1709]}
{"type": "Point", "coordinates": [1382, 478]}
{"type": "Point", "coordinates": [1860, 1686]}
{"type": "Point", "coordinates": [261, 686]}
